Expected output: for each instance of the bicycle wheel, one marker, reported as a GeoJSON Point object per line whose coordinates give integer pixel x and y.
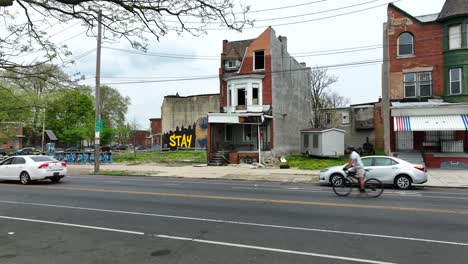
{"type": "Point", "coordinates": [342, 186]}
{"type": "Point", "coordinates": [374, 188]}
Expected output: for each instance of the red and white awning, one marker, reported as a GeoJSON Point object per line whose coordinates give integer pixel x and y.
{"type": "Point", "coordinates": [431, 123]}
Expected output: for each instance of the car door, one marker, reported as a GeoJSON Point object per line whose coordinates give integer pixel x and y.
{"type": "Point", "coordinates": [17, 166]}
{"type": "Point", "coordinates": [367, 161]}
{"type": "Point", "coordinates": [383, 169]}
{"type": "Point", "coordinates": [5, 169]}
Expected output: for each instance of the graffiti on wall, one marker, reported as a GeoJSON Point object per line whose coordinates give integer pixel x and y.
{"type": "Point", "coordinates": [195, 136]}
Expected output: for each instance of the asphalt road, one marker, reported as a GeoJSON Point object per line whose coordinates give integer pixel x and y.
{"type": "Point", "coordinates": [102, 219]}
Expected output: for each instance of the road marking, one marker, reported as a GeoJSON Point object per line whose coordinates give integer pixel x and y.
{"type": "Point", "coordinates": [277, 189]}
{"type": "Point", "coordinates": [180, 182]}
{"type": "Point", "coordinates": [242, 223]}
{"type": "Point", "coordinates": [294, 252]}
{"type": "Point", "coordinates": [262, 200]}
{"type": "Point", "coordinates": [112, 181]}
{"type": "Point", "coordinates": [219, 243]}
{"type": "Point", "coordinates": [72, 225]}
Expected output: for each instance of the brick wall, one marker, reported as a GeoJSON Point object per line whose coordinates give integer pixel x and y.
{"type": "Point", "coordinates": [428, 49]}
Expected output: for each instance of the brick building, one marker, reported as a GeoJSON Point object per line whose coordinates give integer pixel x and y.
{"type": "Point", "coordinates": [11, 136]}
{"type": "Point", "coordinates": [424, 85]}
{"type": "Point", "coordinates": [263, 93]}
{"type": "Point", "coordinates": [156, 132]}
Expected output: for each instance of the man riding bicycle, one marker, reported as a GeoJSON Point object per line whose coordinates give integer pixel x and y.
{"type": "Point", "coordinates": [356, 166]}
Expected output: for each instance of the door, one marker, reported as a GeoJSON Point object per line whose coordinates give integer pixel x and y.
{"type": "Point", "coordinates": [404, 140]}
{"type": "Point", "coordinates": [383, 169]}
{"type": "Point", "coordinates": [5, 169]}
{"type": "Point", "coordinates": [17, 166]}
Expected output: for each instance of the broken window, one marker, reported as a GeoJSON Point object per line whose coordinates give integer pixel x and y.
{"type": "Point", "coordinates": [241, 94]}
{"type": "Point", "coordinates": [259, 60]}
{"type": "Point", "coordinates": [255, 94]}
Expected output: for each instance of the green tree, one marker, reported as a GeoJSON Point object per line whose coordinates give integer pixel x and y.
{"type": "Point", "coordinates": [107, 136]}
{"type": "Point", "coordinates": [71, 116]}
{"type": "Point", "coordinates": [114, 107]}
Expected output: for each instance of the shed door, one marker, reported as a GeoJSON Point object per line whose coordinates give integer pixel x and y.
{"type": "Point", "coordinates": [404, 140]}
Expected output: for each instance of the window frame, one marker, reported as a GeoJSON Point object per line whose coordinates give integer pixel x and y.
{"type": "Point", "coordinates": [306, 140]}
{"type": "Point", "coordinates": [460, 81]}
{"type": "Point", "coordinates": [255, 58]}
{"type": "Point", "coordinates": [459, 26]}
{"type": "Point", "coordinates": [412, 45]}
{"type": "Point", "coordinates": [417, 84]}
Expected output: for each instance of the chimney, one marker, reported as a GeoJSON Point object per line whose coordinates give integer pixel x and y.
{"type": "Point", "coordinates": [284, 41]}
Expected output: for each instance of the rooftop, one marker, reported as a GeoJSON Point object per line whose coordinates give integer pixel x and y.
{"type": "Point", "coordinates": [454, 8]}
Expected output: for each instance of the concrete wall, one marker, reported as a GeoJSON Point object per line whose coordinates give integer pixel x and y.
{"type": "Point", "coordinates": [290, 91]}
{"type": "Point", "coordinates": [185, 111]}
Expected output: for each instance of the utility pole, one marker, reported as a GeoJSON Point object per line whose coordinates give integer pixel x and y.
{"type": "Point", "coordinates": [97, 149]}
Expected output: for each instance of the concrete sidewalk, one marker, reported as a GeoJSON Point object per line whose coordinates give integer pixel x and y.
{"type": "Point", "coordinates": [231, 172]}
{"type": "Point", "coordinates": [436, 177]}
{"type": "Point", "coordinates": [447, 178]}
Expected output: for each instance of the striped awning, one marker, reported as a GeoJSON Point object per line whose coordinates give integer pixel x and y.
{"type": "Point", "coordinates": [431, 123]}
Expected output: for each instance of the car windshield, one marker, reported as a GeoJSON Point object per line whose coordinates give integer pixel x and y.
{"type": "Point", "coordinates": [42, 159]}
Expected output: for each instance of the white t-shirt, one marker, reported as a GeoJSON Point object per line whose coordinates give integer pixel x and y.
{"type": "Point", "coordinates": [357, 162]}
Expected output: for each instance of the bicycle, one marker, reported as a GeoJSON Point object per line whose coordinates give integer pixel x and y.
{"type": "Point", "coordinates": [343, 186]}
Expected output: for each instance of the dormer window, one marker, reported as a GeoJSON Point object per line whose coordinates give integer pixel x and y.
{"type": "Point", "coordinates": [259, 60]}
{"type": "Point", "coordinates": [232, 64]}
{"type": "Point", "coordinates": [405, 44]}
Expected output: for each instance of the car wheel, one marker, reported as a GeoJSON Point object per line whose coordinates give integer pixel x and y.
{"type": "Point", "coordinates": [334, 177]}
{"type": "Point", "coordinates": [403, 182]}
{"type": "Point", "coordinates": [55, 179]}
{"type": "Point", "coordinates": [24, 178]}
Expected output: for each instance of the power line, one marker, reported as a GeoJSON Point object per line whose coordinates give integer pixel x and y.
{"type": "Point", "coordinates": [284, 7]}
{"type": "Point", "coordinates": [331, 66]}
{"type": "Point", "coordinates": [288, 17]}
{"type": "Point", "coordinates": [310, 20]}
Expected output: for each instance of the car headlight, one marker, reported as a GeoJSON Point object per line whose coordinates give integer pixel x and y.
{"type": "Point", "coordinates": [325, 170]}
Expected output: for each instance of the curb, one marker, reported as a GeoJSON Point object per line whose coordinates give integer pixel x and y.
{"type": "Point", "coordinates": [441, 186]}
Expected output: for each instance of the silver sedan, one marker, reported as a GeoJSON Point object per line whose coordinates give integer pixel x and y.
{"type": "Point", "coordinates": [389, 170]}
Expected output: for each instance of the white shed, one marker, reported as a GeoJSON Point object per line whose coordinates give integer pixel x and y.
{"type": "Point", "coordinates": [322, 142]}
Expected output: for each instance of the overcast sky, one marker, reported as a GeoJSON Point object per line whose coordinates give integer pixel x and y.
{"type": "Point", "coordinates": [360, 83]}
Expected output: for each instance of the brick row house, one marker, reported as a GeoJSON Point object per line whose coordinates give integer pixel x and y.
{"type": "Point", "coordinates": [425, 85]}
{"type": "Point", "coordinates": [263, 100]}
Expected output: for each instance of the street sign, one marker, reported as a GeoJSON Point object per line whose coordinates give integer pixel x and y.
{"type": "Point", "coordinates": [99, 125]}
{"type": "Point", "coordinates": [97, 138]}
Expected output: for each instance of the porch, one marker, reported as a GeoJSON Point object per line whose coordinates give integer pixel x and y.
{"type": "Point", "coordinates": [243, 141]}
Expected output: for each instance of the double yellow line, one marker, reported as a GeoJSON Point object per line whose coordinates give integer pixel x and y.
{"type": "Point", "coordinates": [261, 200]}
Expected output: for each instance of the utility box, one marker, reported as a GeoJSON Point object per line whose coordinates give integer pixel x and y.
{"type": "Point", "coordinates": [321, 142]}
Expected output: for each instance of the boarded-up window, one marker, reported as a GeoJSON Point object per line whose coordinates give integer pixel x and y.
{"type": "Point", "coordinates": [315, 141]}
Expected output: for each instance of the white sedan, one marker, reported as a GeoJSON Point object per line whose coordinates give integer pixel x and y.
{"type": "Point", "coordinates": [29, 168]}
{"type": "Point", "coordinates": [389, 170]}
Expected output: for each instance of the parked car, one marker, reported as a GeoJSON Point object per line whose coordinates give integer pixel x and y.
{"type": "Point", "coordinates": [31, 167]}
{"type": "Point", "coordinates": [58, 150]}
{"type": "Point", "coordinates": [389, 170]}
{"type": "Point", "coordinates": [72, 150]}
{"type": "Point", "coordinates": [2, 152]}
{"type": "Point", "coordinates": [27, 151]}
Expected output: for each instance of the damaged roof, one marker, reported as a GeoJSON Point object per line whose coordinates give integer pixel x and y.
{"type": "Point", "coordinates": [236, 49]}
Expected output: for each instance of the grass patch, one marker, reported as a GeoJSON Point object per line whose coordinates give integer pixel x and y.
{"type": "Point", "coordinates": [111, 172]}
{"type": "Point", "coordinates": [306, 163]}
{"type": "Point", "coordinates": [169, 158]}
